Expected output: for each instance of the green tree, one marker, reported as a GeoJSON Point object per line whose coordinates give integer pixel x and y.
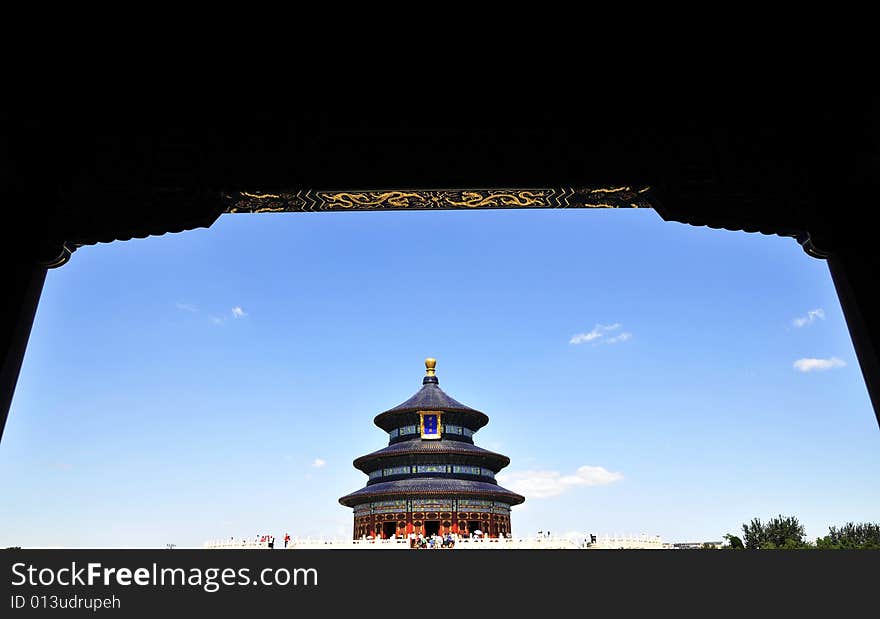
{"type": "Point", "coordinates": [733, 542]}
{"type": "Point", "coordinates": [780, 532]}
{"type": "Point", "coordinates": [860, 536]}
{"type": "Point", "coordinates": [753, 534]}
{"type": "Point", "coordinates": [785, 532]}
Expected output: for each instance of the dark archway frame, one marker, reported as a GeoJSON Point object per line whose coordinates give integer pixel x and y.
{"type": "Point", "coordinates": [783, 165]}
{"type": "Point", "coordinates": [301, 201]}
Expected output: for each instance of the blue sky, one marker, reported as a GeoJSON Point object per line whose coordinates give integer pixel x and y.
{"type": "Point", "coordinates": [643, 376]}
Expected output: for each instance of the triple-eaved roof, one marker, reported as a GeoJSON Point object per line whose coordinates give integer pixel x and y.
{"type": "Point", "coordinates": [431, 398]}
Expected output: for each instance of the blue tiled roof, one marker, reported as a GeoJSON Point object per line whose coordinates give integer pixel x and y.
{"type": "Point", "coordinates": [417, 446]}
{"type": "Point", "coordinates": [431, 397]}
{"type": "Point", "coordinates": [431, 486]}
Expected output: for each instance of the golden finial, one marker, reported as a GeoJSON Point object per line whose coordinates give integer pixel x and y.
{"type": "Point", "coordinates": [430, 364]}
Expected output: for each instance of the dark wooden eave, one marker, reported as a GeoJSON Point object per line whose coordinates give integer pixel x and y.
{"type": "Point", "coordinates": [799, 164]}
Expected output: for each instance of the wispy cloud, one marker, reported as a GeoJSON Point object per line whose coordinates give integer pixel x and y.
{"type": "Point", "coordinates": [818, 365]}
{"type": "Point", "coordinates": [597, 332]}
{"type": "Point", "coordinates": [601, 333]}
{"type": "Point", "coordinates": [236, 312]}
{"type": "Point", "coordinates": [319, 462]}
{"type": "Point", "coordinates": [543, 484]}
{"type": "Point", "coordinates": [810, 318]}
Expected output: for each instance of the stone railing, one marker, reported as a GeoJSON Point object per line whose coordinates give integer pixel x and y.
{"type": "Point", "coordinates": [237, 543]}
{"type": "Point", "coordinates": [403, 544]}
{"type": "Point", "coordinates": [630, 542]}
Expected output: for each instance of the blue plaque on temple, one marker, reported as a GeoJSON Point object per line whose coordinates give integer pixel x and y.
{"type": "Point", "coordinates": [430, 424]}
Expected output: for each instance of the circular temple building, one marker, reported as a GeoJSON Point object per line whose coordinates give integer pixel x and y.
{"type": "Point", "coordinates": [431, 478]}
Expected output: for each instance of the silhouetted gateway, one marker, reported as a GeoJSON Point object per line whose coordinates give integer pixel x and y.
{"type": "Point", "coordinates": [431, 478]}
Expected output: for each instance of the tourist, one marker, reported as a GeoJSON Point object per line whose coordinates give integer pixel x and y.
{"type": "Point", "coordinates": [271, 541]}
{"type": "Point", "coordinates": [286, 539]}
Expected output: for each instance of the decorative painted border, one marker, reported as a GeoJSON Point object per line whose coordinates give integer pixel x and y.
{"type": "Point", "coordinates": [447, 429]}
{"type": "Point", "coordinates": [311, 200]}
{"type": "Point", "coordinates": [419, 469]}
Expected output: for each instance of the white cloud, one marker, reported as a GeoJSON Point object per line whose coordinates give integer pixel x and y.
{"type": "Point", "coordinates": [818, 365]}
{"type": "Point", "coordinates": [598, 333]}
{"type": "Point", "coordinates": [237, 312]}
{"type": "Point", "coordinates": [809, 319]}
{"type": "Point", "coordinates": [188, 307]}
{"type": "Point", "coordinates": [543, 484]}
{"type": "Point", "coordinates": [318, 463]}
{"type": "Point", "coordinates": [217, 320]}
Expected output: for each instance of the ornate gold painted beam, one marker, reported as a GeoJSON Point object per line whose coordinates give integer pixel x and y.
{"type": "Point", "coordinates": [310, 200]}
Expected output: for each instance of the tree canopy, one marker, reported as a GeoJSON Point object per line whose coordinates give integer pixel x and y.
{"type": "Point", "coordinates": [734, 542]}
{"type": "Point", "coordinates": [779, 532]}
{"type": "Point", "coordinates": [786, 532]}
{"type": "Point", "coordinates": [851, 536]}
